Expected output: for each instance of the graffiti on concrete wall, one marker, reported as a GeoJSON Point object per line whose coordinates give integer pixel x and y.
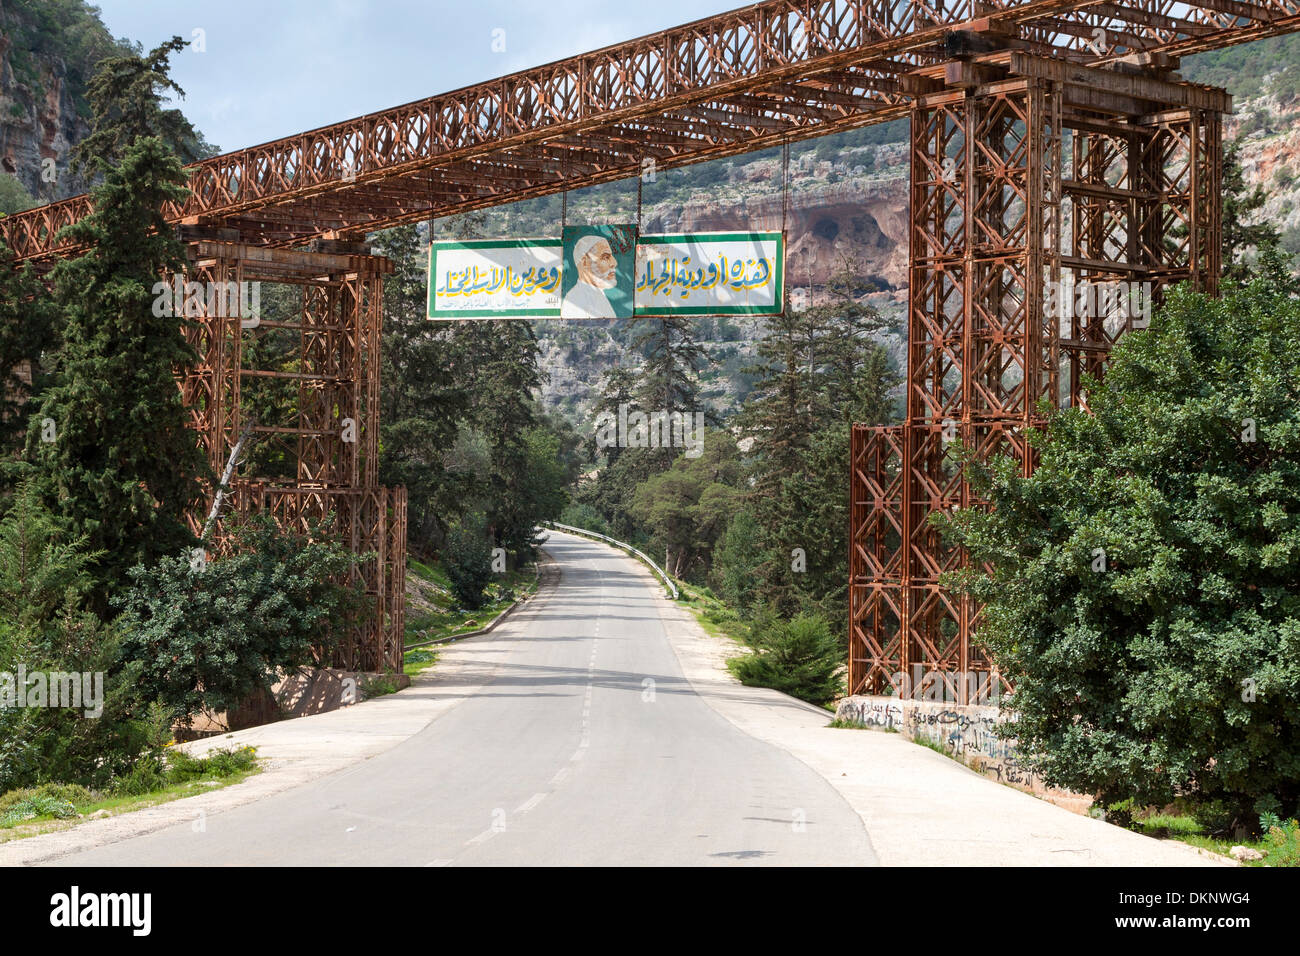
{"type": "Point", "coordinates": [871, 712]}
{"type": "Point", "coordinates": [968, 732]}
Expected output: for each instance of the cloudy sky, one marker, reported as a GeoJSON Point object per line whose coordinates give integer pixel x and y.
{"type": "Point", "coordinates": [272, 68]}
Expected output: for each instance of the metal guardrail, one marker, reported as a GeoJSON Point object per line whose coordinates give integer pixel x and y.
{"type": "Point", "coordinates": [668, 583]}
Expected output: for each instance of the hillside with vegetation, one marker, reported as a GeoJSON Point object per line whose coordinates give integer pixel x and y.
{"type": "Point", "coordinates": [49, 51]}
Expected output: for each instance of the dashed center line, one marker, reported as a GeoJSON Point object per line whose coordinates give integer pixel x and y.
{"type": "Point", "coordinates": [531, 802]}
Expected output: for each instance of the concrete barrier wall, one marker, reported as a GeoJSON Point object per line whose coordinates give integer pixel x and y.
{"type": "Point", "coordinates": [965, 731]}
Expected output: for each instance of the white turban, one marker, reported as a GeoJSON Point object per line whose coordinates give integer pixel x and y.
{"type": "Point", "coordinates": [583, 246]}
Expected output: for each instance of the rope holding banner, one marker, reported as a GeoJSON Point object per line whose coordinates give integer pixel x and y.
{"type": "Point", "coordinates": [564, 197]}
{"type": "Point", "coordinates": [640, 179]}
{"type": "Point", "coordinates": [785, 193]}
{"type": "Point", "coordinates": [785, 182]}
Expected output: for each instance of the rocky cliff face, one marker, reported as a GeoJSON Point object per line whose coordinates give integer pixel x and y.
{"type": "Point", "coordinates": [834, 212]}
{"type": "Point", "coordinates": [39, 119]}
{"type": "Point", "coordinates": [1268, 131]}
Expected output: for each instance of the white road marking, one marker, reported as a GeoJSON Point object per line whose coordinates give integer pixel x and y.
{"type": "Point", "coordinates": [531, 802]}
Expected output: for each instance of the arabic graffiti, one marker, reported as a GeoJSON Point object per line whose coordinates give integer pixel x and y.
{"type": "Point", "coordinates": [871, 712]}
{"type": "Point", "coordinates": [967, 732]}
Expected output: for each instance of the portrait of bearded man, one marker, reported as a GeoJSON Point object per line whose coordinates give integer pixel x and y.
{"type": "Point", "coordinates": [597, 271]}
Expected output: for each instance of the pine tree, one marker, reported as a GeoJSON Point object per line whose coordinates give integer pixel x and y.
{"type": "Point", "coordinates": [855, 374]}
{"type": "Point", "coordinates": [820, 371]}
{"type": "Point", "coordinates": [617, 389]}
{"type": "Point", "coordinates": [500, 360]}
{"type": "Point", "coordinates": [1240, 205]}
{"type": "Point", "coordinates": [26, 331]}
{"type": "Point", "coordinates": [780, 415]}
{"type": "Point", "coordinates": [422, 394]}
{"type": "Point", "coordinates": [669, 377]}
{"type": "Point", "coordinates": [125, 97]}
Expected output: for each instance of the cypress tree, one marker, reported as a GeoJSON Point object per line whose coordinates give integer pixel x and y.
{"type": "Point", "coordinates": [123, 468]}
{"type": "Point", "coordinates": [26, 331]}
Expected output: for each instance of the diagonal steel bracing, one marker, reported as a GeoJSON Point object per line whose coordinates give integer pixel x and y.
{"type": "Point", "coordinates": [686, 94]}
{"type": "Point", "coordinates": [1031, 182]}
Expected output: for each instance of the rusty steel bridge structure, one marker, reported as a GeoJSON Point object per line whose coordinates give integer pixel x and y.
{"type": "Point", "coordinates": [1052, 141]}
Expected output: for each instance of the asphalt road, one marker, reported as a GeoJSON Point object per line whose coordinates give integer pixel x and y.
{"type": "Point", "coordinates": [588, 747]}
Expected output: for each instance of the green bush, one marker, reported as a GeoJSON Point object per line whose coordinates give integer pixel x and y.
{"type": "Point", "coordinates": [43, 581]}
{"type": "Point", "coordinates": [14, 197]}
{"type": "Point", "coordinates": [181, 766]}
{"type": "Point", "coordinates": [800, 657]}
{"type": "Point", "coordinates": [581, 515]}
{"type": "Point", "coordinates": [57, 793]}
{"type": "Point", "coordinates": [736, 561]}
{"type": "Point", "coordinates": [378, 686]}
{"type": "Point", "coordinates": [208, 637]}
{"type": "Point", "coordinates": [468, 560]}
{"type": "Point", "coordinates": [174, 767]}
{"type": "Point", "coordinates": [1283, 840]}
{"type": "Point", "coordinates": [1144, 598]}
{"type": "Point", "coordinates": [38, 806]}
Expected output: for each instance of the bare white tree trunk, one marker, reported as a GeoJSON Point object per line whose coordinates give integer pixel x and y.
{"type": "Point", "coordinates": [226, 475]}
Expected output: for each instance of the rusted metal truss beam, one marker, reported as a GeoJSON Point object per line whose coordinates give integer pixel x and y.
{"type": "Point", "coordinates": [691, 93]}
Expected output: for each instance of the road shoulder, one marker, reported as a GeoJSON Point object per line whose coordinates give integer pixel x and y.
{"type": "Point", "coordinates": [298, 751]}
{"type": "Point", "coordinates": [919, 808]}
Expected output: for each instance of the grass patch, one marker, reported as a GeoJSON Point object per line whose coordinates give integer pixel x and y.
{"type": "Point", "coordinates": [1280, 843]}
{"type": "Point", "coordinates": [418, 659]}
{"type": "Point", "coordinates": [379, 686]}
{"type": "Point", "coordinates": [432, 612]}
{"type": "Point", "coordinates": [935, 746]}
{"type": "Point", "coordinates": [433, 573]}
{"type": "Point", "coordinates": [839, 724]}
{"type": "Point", "coordinates": [716, 618]}
{"type": "Point", "coordinates": [175, 775]}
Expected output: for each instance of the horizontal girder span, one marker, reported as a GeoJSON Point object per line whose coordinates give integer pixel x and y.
{"type": "Point", "coordinates": [732, 83]}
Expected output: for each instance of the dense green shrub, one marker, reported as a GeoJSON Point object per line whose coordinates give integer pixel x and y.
{"type": "Point", "coordinates": [468, 560]}
{"type": "Point", "coordinates": [736, 561]}
{"type": "Point", "coordinates": [57, 793]}
{"type": "Point", "coordinates": [1146, 593]}
{"type": "Point", "coordinates": [1283, 840]}
{"type": "Point", "coordinates": [38, 806]}
{"type": "Point", "coordinates": [800, 657]}
{"type": "Point", "coordinates": [170, 767]}
{"type": "Point", "coordinates": [43, 582]}
{"type": "Point", "coordinates": [583, 515]}
{"type": "Point", "coordinates": [207, 637]}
